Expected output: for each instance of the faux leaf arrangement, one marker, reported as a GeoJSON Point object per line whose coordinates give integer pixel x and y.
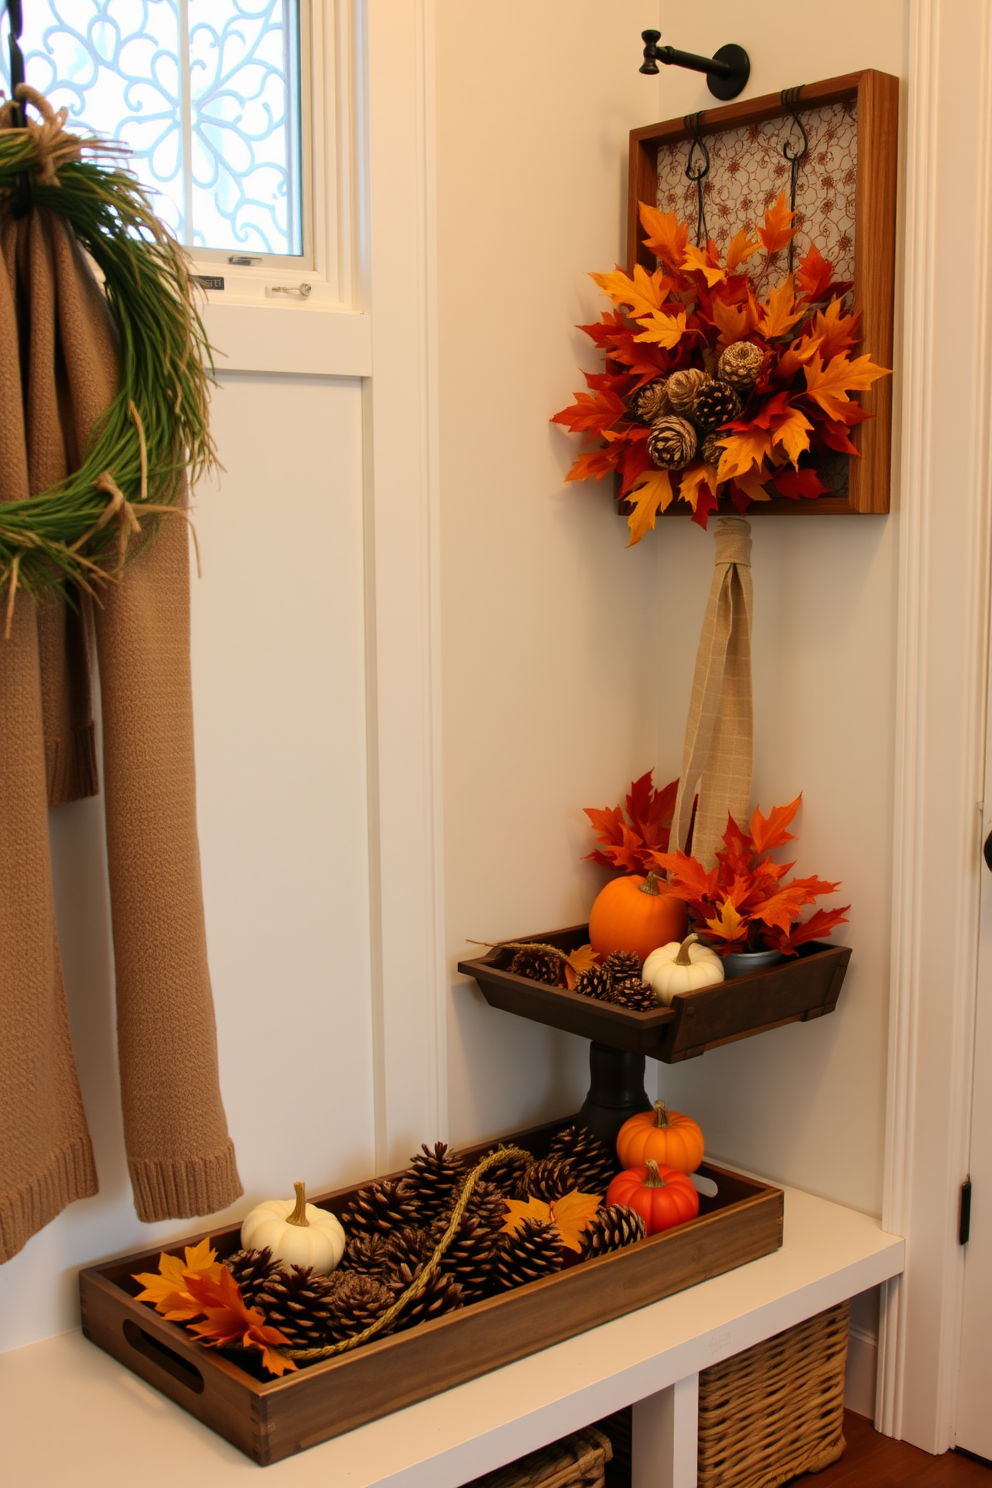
{"type": "Point", "coordinates": [633, 843]}
{"type": "Point", "coordinates": [761, 385]}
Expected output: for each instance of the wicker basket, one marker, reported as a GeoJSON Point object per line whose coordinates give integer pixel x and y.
{"type": "Point", "coordinates": [776, 1410]}
{"type": "Point", "coordinates": [577, 1461]}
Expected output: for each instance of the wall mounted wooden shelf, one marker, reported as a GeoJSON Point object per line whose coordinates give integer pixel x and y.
{"type": "Point", "coordinates": [270, 1419]}
{"type": "Point", "coordinates": [871, 100]}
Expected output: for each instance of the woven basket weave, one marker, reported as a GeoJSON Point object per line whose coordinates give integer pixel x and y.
{"type": "Point", "coordinates": [776, 1410]}
{"type": "Point", "coordinates": [577, 1461]}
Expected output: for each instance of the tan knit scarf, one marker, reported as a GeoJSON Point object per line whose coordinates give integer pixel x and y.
{"type": "Point", "coordinates": [58, 374]}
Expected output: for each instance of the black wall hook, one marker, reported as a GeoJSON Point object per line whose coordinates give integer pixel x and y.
{"type": "Point", "coordinates": [727, 71]}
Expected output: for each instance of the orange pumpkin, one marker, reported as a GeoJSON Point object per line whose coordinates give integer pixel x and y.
{"type": "Point", "coordinates": [663, 1197]}
{"type": "Point", "coordinates": [634, 913]}
{"type": "Point", "coordinates": [667, 1136]}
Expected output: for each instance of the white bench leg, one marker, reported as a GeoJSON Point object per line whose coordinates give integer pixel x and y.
{"type": "Point", "coordinates": [663, 1448]}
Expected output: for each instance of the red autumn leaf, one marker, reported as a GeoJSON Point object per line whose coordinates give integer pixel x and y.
{"type": "Point", "coordinates": [229, 1322]}
{"type": "Point", "coordinates": [798, 484]}
{"type": "Point", "coordinates": [688, 879]}
{"type": "Point", "coordinates": [814, 275]}
{"type": "Point", "coordinates": [594, 464]}
{"type": "Point", "coordinates": [836, 437]}
{"type": "Point", "coordinates": [634, 847]}
{"type": "Point", "coordinates": [769, 831]}
{"type": "Point", "coordinates": [593, 412]}
{"type": "Point", "coordinates": [778, 229]}
{"type": "Point", "coordinates": [819, 924]}
{"type": "Point", "coordinates": [835, 331]}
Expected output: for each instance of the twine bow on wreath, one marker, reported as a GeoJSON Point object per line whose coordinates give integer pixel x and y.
{"type": "Point", "coordinates": [72, 536]}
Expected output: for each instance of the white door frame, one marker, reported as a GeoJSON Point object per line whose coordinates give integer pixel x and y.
{"type": "Point", "coordinates": [943, 619]}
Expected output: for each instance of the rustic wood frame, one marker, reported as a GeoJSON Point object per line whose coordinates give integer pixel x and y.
{"type": "Point", "coordinates": [877, 95]}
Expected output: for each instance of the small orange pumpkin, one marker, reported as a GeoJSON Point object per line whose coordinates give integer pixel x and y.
{"type": "Point", "coordinates": [663, 1197]}
{"type": "Point", "coordinates": [667, 1136]}
{"type": "Point", "coordinates": [634, 914]}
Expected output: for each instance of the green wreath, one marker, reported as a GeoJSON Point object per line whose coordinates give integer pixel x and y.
{"type": "Point", "coordinates": [77, 533]}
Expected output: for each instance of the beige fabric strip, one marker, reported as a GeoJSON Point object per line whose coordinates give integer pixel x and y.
{"type": "Point", "coordinates": [719, 736]}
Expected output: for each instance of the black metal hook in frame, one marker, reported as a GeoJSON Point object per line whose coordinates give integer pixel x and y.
{"type": "Point", "coordinates": [794, 155]}
{"type": "Point", "coordinates": [727, 71]}
{"type": "Point", "coordinates": [19, 118]}
{"type": "Point", "coordinates": [697, 173]}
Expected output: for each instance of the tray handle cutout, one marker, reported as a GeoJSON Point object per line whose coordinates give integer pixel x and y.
{"type": "Point", "coordinates": [159, 1353]}
{"type": "Point", "coordinates": [705, 1186]}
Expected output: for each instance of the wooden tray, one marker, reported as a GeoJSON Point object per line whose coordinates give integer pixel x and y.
{"type": "Point", "coordinates": [270, 1419]}
{"type": "Point", "coordinates": [803, 987]}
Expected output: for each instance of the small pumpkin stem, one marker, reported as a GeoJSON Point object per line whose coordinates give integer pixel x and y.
{"type": "Point", "coordinates": [661, 1114]}
{"type": "Point", "coordinates": [299, 1214]}
{"type": "Point", "coordinates": [654, 1178]}
{"type": "Point", "coordinates": [683, 958]}
{"type": "Point", "coordinates": [650, 884]}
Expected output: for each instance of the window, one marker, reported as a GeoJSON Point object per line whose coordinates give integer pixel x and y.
{"type": "Point", "coordinates": [206, 93]}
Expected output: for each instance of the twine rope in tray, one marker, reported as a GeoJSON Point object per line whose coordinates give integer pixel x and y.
{"type": "Point", "coordinates": [422, 1277]}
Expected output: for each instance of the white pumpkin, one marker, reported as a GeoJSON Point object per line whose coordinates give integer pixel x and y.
{"type": "Point", "coordinates": [297, 1233]}
{"type": "Point", "coordinates": [681, 968]}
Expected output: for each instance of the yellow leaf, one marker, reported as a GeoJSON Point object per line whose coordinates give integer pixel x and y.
{"type": "Point", "coordinates": [517, 1211]}
{"type": "Point", "coordinates": [578, 961]}
{"type": "Point", "coordinates": [696, 261]}
{"type": "Point", "coordinates": [642, 294]}
{"type": "Point", "coordinates": [694, 477]}
{"type": "Point", "coordinates": [654, 494]}
{"type": "Point", "coordinates": [728, 923]}
{"type": "Point", "coordinates": [740, 248]}
{"type": "Point", "coordinates": [167, 1290]}
{"type": "Point", "coordinates": [793, 435]}
{"type": "Point", "coordinates": [779, 314]}
{"type": "Point", "coordinates": [571, 1214]}
{"type": "Point", "coordinates": [662, 330]}
{"type": "Point", "coordinates": [743, 452]}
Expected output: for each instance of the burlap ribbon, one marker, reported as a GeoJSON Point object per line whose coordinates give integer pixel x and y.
{"type": "Point", "coordinates": [719, 735]}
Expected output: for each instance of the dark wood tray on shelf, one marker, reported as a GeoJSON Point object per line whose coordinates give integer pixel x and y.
{"type": "Point", "coordinates": [796, 990]}
{"type": "Point", "coordinates": [273, 1418]}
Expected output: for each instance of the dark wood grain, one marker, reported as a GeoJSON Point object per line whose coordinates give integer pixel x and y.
{"type": "Point", "coordinates": [271, 1419]}
{"type": "Point", "coordinates": [877, 96]}
{"type": "Point", "coordinates": [795, 991]}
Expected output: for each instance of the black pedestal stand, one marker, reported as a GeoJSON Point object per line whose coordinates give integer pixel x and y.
{"type": "Point", "coordinates": [616, 1091]}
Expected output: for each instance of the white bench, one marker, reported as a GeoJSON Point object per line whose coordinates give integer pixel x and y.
{"type": "Point", "coordinates": [72, 1417]}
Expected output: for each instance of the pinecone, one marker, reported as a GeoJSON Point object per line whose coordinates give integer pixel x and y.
{"type": "Point", "coordinates": [355, 1302]}
{"type": "Point", "coordinates": [470, 1256]}
{"type": "Point", "coordinates": [548, 1179]}
{"type": "Point", "coordinates": [488, 1204]}
{"type": "Point", "coordinates": [631, 992]}
{"type": "Point", "coordinates": [716, 403]}
{"type": "Point", "coordinates": [367, 1255]}
{"type": "Point", "coordinates": [406, 1250]}
{"type": "Point", "coordinates": [433, 1182]}
{"type": "Point", "coordinates": [672, 442]}
{"type": "Point", "coordinates": [300, 1305]}
{"type": "Point", "coordinates": [595, 982]}
{"type": "Point", "coordinates": [623, 964]}
{"type": "Point", "coordinates": [611, 1229]}
{"type": "Point", "coordinates": [651, 401]}
{"type": "Point", "coordinates": [711, 449]}
{"type": "Point", "coordinates": [740, 365]}
{"type": "Point", "coordinates": [540, 965]}
{"type": "Point", "coordinates": [682, 388]}
{"type": "Point", "coordinates": [380, 1208]}
{"type": "Point", "coordinates": [251, 1269]}
{"type": "Point", "coordinates": [440, 1295]}
{"type": "Point", "coordinates": [591, 1162]}
{"type": "Point", "coordinates": [504, 1176]}
{"type": "Point", "coordinates": [531, 1251]}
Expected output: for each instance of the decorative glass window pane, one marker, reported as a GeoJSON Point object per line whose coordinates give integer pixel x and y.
{"type": "Point", "coordinates": [204, 92]}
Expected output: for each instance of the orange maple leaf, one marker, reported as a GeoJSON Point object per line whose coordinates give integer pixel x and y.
{"type": "Point", "coordinates": [829, 385]}
{"type": "Point", "coordinates": [228, 1321]}
{"type": "Point", "coordinates": [730, 321]}
{"type": "Point", "coordinates": [693, 477]}
{"type": "Point", "coordinates": [517, 1210]}
{"type": "Point", "coordinates": [728, 923]}
{"type": "Point", "coordinates": [168, 1291]}
{"type": "Point", "coordinates": [797, 355]}
{"type": "Point", "coordinates": [571, 1214]}
{"type": "Point", "coordinates": [698, 261]}
{"type": "Point", "coordinates": [739, 249]}
{"type": "Point", "coordinates": [753, 486]}
{"type": "Point", "coordinates": [744, 451]}
{"type": "Point", "coordinates": [654, 494]}
{"type": "Point", "coordinates": [593, 464]}
{"type": "Point", "coordinates": [578, 961]}
{"type": "Point", "coordinates": [661, 329]}
{"type": "Point", "coordinates": [769, 831]}
{"type": "Point", "coordinates": [778, 228]}
{"type": "Point", "coordinates": [642, 294]}
{"type": "Point", "coordinates": [792, 435]}
{"type": "Point", "coordinates": [665, 234]}
{"type": "Point", "coordinates": [779, 313]}
{"type": "Point", "coordinates": [835, 331]}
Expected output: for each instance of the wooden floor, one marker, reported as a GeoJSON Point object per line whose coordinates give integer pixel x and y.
{"type": "Point", "coordinates": [873, 1461]}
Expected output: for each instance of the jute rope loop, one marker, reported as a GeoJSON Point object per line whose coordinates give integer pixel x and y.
{"type": "Point", "coordinates": [51, 144]}
{"type": "Point", "coordinates": [422, 1277]}
{"type": "Point", "coordinates": [719, 736]}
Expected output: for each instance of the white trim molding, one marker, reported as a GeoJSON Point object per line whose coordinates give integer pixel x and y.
{"type": "Point", "coordinates": [402, 576]}
{"type": "Point", "coordinates": [943, 517]}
